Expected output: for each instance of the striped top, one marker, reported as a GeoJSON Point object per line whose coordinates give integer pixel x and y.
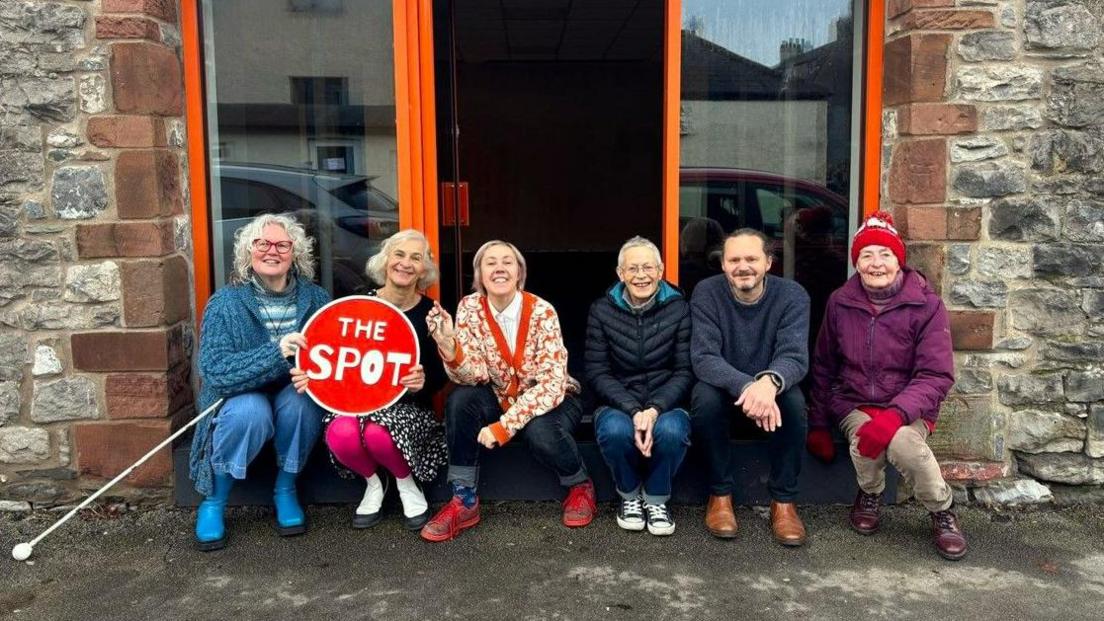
{"type": "Point", "coordinates": [277, 309]}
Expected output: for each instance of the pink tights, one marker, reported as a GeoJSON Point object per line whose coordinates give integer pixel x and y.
{"type": "Point", "coordinates": [362, 455]}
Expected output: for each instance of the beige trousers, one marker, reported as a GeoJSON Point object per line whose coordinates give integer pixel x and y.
{"type": "Point", "coordinates": [909, 453]}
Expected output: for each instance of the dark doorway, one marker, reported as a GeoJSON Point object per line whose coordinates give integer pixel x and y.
{"type": "Point", "coordinates": [550, 119]}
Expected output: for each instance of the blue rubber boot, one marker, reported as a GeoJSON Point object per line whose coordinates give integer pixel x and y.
{"type": "Point", "coordinates": [290, 519]}
{"type": "Point", "coordinates": [210, 528]}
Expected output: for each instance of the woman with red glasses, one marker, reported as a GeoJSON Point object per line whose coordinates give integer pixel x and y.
{"type": "Point", "coordinates": [250, 330]}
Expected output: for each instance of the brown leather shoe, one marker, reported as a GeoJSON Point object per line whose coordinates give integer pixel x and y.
{"type": "Point", "coordinates": [949, 541]}
{"type": "Point", "coordinates": [720, 520]}
{"type": "Point", "coordinates": [785, 524]}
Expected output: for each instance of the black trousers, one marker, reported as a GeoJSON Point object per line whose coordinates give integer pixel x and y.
{"type": "Point", "coordinates": [712, 415]}
{"type": "Point", "coordinates": [550, 436]}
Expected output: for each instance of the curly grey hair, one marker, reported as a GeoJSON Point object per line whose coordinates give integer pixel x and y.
{"type": "Point", "coordinates": [639, 242]}
{"type": "Point", "coordinates": [477, 281]}
{"type": "Point", "coordinates": [302, 246]}
{"type": "Point", "coordinates": [376, 268]}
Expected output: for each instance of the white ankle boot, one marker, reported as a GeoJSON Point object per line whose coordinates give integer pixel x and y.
{"type": "Point", "coordinates": [368, 511]}
{"type": "Point", "coordinates": [415, 507]}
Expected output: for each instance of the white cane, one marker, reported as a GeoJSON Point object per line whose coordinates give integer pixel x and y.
{"type": "Point", "coordinates": [22, 551]}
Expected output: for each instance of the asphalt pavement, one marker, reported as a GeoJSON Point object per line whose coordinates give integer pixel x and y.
{"type": "Point", "coordinates": [520, 563]}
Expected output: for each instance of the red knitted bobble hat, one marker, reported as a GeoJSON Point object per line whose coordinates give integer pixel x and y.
{"type": "Point", "coordinates": [878, 230]}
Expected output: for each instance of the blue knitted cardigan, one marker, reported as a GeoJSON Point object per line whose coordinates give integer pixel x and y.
{"type": "Point", "coordinates": [237, 356]}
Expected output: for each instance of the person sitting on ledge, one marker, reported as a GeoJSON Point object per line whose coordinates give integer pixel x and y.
{"type": "Point", "coordinates": [249, 330]}
{"type": "Point", "coordinates": [749, 349]}
{"type": "Point", "coordinates": [882, 366]}
{"type": "Point", "coordinates": [405, 438]}
{"type": "Point", "coordinates": [638, 364]}
{"type": "Point", "coordinates": [507, 355]}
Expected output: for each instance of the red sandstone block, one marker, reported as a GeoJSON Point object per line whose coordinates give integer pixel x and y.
{"type": "Point", "coordinates": [897, 7]}
{"type": "Point", "coordinates": [964, 224]}
{"type": "Point", "coordinates": [161, 9]}
{"type": "Point", "coordinates": [146, 79]}
{"type": "Point", "coordinates": [148, 350]}
{"type": "Point", "coordinates": [126, 131]}
{"type": "Point", "coordinates": [915, 68]}
{"type": "Point", "coordinates": [974, 470]}
{"type": "Point", "coordinates": [147, 184]}
{"type": "Point", "coordinates": [918, 171]}
{"type": "Point", "coordinates": [124, 239]}
{"type": "Point", "coordinates": [106, 448]}
{"type": "Point", "coordinates": [925, 222]}
{"type": "Point", "coordinates": [927, 118]}
{"type": "Point", "coordinates": [947, 20]}
{"type": "Point", "coordinates": [146, 395]}
{"type": "Point", "coordinates": [972, 330]}
{"type": "Point", "coordinates": [929, 259]}
{"type": "Point", "coordinates": [113, 27]}
{"type": "Point", "coordinates": [155, 292]}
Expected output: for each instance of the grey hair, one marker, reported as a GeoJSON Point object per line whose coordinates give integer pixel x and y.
{"type": "Point", "coordinates": [302, 246]}
{"type": "Point", "coordinates": [639, 242]}
{"type": "Point", "coordinates": [477, 282]}
{"type": "Point", "coordinates": [376, 268]}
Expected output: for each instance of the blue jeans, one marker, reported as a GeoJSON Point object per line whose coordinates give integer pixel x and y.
{"type": "Point", "coordinates": [670, 437]}
{"type": "Point", "coordinates": [246, 421]}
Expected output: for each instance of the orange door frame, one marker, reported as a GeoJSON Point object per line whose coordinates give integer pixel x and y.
{"type": "Point", "coordinates": [416, 133]}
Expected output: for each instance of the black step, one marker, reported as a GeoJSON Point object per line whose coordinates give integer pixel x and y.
{"type": "Point", "coordinates": [510, 473]}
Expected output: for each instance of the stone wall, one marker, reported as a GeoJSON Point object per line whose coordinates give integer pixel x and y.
{"type": "Point", "coordinates": [994, 133]}
{"type": "Point", "coordinates": [95, 303]}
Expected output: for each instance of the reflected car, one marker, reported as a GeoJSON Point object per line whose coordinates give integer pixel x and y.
{"type": "Point", "coordinates": [346, 215]}
{"type": "Point", "coordinates": [808, 223]}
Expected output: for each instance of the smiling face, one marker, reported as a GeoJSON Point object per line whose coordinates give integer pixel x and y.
{"type": "Point", "coordinates": [745, 263]}
{"type": "Point", "coordinates": [641, 273]}
{"type": "Point", "coordinates": [406, 265]}
{"type": "Point", "coordinates": [499, 270]}
{"type": "Point", "coordinates": [270, 264]}
{"type": "Point", "coordinates": [877, 266]}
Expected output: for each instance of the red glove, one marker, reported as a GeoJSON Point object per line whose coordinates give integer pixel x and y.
{"type": "Point", "coordinates": [875, 434]}
{"type": "Point", "coordinates": [820, 445]}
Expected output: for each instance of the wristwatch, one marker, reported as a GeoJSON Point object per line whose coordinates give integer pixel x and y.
{"type": "Point", "coordinates": [777, 381]}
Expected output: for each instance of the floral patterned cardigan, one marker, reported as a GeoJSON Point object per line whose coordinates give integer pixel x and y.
{"type": "Point", "coordinates": [531, 381]}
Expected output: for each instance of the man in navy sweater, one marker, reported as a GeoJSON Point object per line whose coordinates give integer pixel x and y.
{"type": "Point", "coordinates": [749, 351]}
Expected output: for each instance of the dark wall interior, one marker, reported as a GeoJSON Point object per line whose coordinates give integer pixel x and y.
{"type": "Point", "coordinates": [563, 160]}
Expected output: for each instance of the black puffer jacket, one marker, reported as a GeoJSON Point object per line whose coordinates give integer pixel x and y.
{"type": "Point", "coordinates": [633, 361]}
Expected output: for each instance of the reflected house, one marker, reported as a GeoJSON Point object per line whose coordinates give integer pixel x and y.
{"type": "Point", "coordinates": [321, 104]}
{"type": "Point", "coordinates": [734, 111]}
{"type": "Point", "coordinates": [826, 70]}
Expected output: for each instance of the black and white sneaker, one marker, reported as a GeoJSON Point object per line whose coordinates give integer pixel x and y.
{"type": "Point", "coordinates": [631, 514]}
{"type": "Point", "coordinates": [659, 520]}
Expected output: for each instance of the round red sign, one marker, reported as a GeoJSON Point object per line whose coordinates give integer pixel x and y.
{"type": "Point", "coordinates": [357, 349]}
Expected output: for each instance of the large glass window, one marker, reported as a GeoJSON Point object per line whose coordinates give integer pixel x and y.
{"type": "Point", "coordinates": [768, 135]}
{"type": "Point", "coordinates": [301, 120]}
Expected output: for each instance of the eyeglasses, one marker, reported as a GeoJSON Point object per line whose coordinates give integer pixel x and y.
{"type": "Point", "coordinates": [262, 245]}
{"type": "Point", "coordinates": [647, 269]}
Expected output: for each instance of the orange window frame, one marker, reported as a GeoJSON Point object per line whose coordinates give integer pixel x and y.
{"type": "Point", "coordinates": [416, 134]}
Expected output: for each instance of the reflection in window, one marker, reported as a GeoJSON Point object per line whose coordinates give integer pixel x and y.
{"type": "Point", "coordinates": [301, 117]}
{"type": "Point", "coordinates": [766, 135]}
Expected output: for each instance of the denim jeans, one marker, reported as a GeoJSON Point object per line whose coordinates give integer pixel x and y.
{"type": "Point", "coordinates": [713, 411]}
{"type": "Point", "coordinates": [246, 421]}
{"type": "Point", "coordinates": [616, 439]}
{"type": "Point", "coordinates": [549, 436]}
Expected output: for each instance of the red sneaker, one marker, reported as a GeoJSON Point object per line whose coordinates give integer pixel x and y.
{"type": "Point", "coordinates": [453, 518]}
{"type": "Point", "coordinates": [579, 506]}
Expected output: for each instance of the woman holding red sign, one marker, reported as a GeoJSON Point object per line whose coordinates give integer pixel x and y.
{"type": "Point", "coordinates": [405, 438]}
{"type": "Point", "coordinates": [506, 353]}
{"type": "Point", "coordinates": [249, 328]}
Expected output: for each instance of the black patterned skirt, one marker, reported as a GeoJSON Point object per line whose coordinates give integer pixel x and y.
{"type": "Point", "coordinates": [417, 433]}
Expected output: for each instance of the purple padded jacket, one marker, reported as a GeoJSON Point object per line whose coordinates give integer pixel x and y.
{"type": "Point", "coordinates": [900, 357]}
